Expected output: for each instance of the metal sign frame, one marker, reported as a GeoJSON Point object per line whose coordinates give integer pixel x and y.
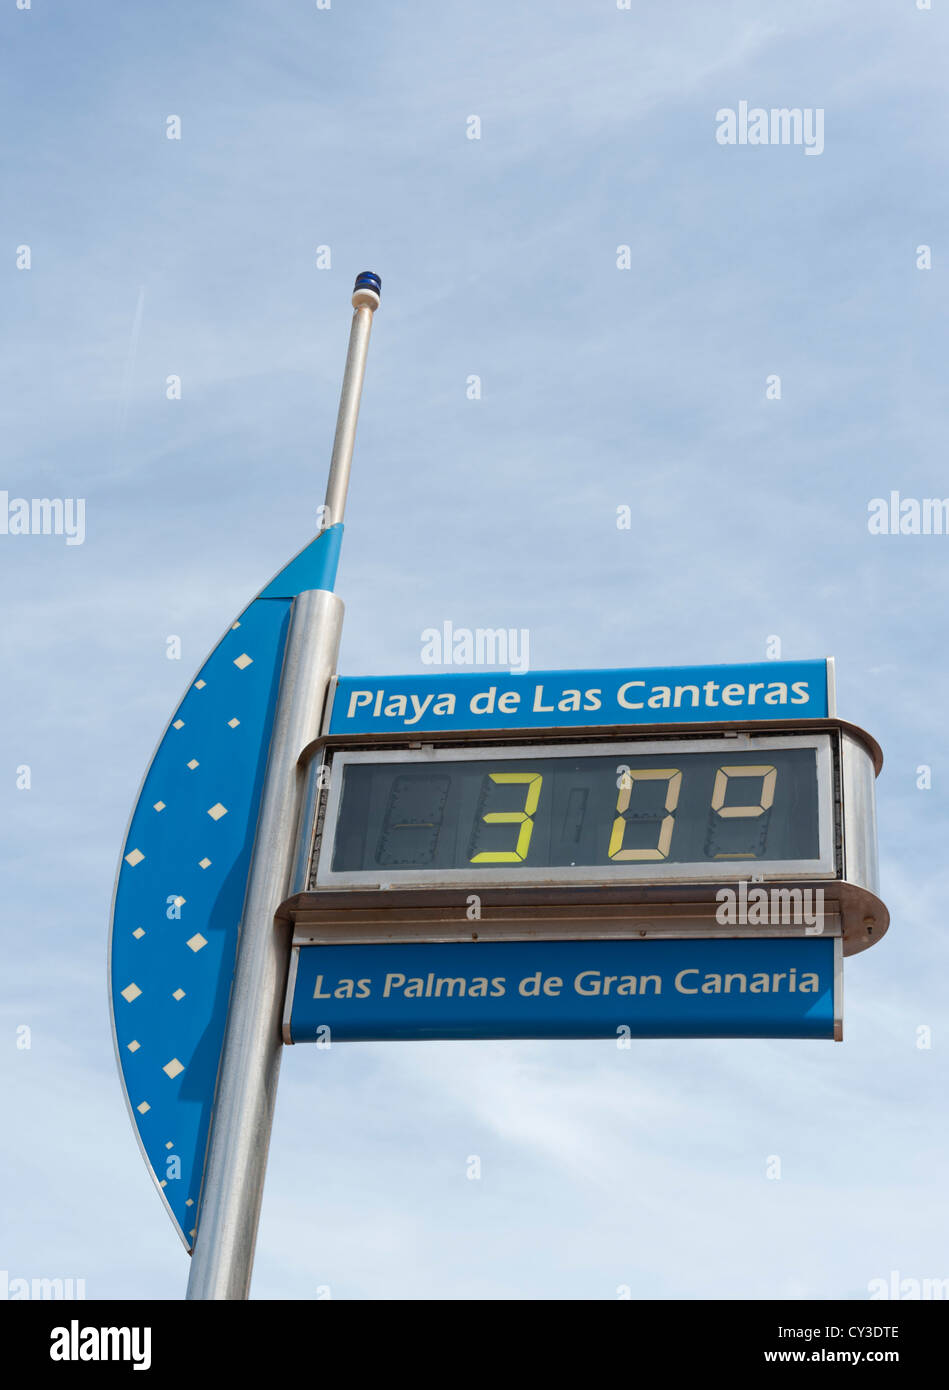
{"type": "Point", "coordinates": [824, 866]}
{"type": "Point", "coordinates": [321, 913]}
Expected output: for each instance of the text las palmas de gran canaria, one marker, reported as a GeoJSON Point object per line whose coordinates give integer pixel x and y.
{"type": "Point", "coordinates": [586, 983]}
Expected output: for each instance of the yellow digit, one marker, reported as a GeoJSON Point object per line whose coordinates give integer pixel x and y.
{"type": "Point", "coordinates": [769, 775]}
{"type": "Point", "coordinates": [662, 774]}
{"type": "Point", "coordinates": [533, 782]}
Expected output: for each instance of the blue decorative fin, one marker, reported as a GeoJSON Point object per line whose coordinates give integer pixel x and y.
{"type": "Point", "coordinates": [182, 877]}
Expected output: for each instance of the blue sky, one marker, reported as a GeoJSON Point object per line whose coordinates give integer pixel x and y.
{"type": "Point", "coordinates": [600, 388]}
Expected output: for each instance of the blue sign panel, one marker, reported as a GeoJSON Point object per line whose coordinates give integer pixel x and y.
{"type": "Point", "coordinates": [778, 988]}
{"type": "Point", "coordinates": [180, 887]}
{"type": "Point", "coordinates": [764, 690]}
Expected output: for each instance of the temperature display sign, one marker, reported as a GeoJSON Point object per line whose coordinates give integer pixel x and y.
{"type": "Point", "coordinates": [686, 809]}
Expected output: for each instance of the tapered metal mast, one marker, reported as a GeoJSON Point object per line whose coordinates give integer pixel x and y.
{"type": "Point", "coordinates": [365, 303]}
{"type": "Point", "coordinates": [222, 1261]}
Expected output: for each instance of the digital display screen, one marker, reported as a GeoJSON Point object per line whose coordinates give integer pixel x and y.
{"type": "Point", "coordinates": [539, 810]}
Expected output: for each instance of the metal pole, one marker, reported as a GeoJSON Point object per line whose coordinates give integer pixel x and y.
{"type": "Point", "coordinates": [365, 303]}
{"type": "Point", "coordinates": [223, 1256]}
{"type": "Point", "coordinates": [250, 1059]}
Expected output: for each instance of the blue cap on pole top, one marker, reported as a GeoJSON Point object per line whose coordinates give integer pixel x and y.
{"type": "Point", "coordinates": [368, 280]}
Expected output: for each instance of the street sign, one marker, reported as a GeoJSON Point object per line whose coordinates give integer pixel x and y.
{"type": "Point", "coordinates": [758, 691]}
{"type": "Point", "coordinates": [627, 853]}
{"type": "Point", "coordinates": [566, 989]}
{"type": "Point", "coordinates": [594, 823]}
